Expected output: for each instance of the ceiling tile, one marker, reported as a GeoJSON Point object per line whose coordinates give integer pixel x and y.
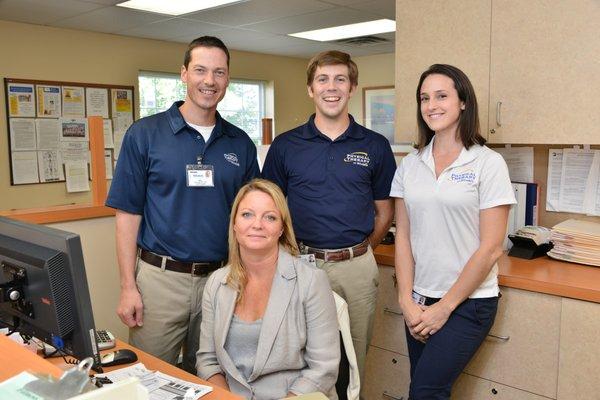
{"type": "Point", "coordinates": [173, 28]}
{"type": "Point", "coordinates": [383, 8]}
{"type": "Point", "coordinates": [257, 11]}
{"type": "Point", "coordinates": [323, 19]}
{"type": "Point", "coordinates": [42, 11]}
{"type": "Point", "coordinates": [110, 20]}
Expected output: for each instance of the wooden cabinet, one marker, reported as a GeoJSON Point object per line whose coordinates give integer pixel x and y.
{"type": "Point", "coordinates": [540, 59]}
{"type": "Point", "coordinates": [545, 69]}
{"type": "Point", "coordinates": [579, 362]}
{"type": "Point", "coordinates": [388, 326]}
{"type": "Point", "coordinates": [443, 32]}
{"type": "Point", "coordinates": [523, 351]}
{"type": "Point", "coordinates": [387, 375]}
{"type": "Point", "coordinates": [468, 387]}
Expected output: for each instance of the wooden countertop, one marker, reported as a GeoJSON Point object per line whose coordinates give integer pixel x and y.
{"type": "Point", "coordinates": [544, 275]}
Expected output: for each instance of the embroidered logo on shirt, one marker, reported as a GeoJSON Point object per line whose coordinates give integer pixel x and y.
{"type": "Point", "coordinates": [464, 176]}
{"type": "Point", "coordinates": [358, 158]}
{"type": "Point", "coordinates": [232, 158]}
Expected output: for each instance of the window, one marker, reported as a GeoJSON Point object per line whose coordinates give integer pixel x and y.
{"type": "Point", "coordinates": [243, 104]}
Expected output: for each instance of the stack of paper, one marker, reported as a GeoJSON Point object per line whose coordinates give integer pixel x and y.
{"type": "Point", "coordinates": [576, 241]}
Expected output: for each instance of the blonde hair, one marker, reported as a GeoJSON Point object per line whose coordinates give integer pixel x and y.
{"type": "Point", "coordinates": [237, 278]}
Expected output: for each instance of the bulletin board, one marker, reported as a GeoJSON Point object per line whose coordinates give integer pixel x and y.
{"type": "Point", "coordinates": [47, 125]}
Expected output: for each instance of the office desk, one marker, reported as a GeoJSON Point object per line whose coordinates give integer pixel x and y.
{"type": "Point", "coordinates": [15, 358]}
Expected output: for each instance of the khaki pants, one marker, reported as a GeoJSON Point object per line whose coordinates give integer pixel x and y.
{"type": "Point", "coordinates": [356, 281]}
{"type": "Point", "coordinates": [172, 314]}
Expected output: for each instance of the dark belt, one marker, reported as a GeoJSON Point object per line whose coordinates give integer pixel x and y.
{"type": "Point", "coordinates": [194, 268]}
{"type": "Point", "coordinates": [344, 254]}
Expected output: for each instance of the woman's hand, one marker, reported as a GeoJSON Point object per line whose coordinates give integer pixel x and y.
{"type": "Point", "coordinates": [412, 316]}
{"type": "Point", "coordinates": [433, 319]}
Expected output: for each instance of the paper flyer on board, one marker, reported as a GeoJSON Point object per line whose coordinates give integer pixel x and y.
{"type": "Point", "coordinates": [74, 129]}
{"type": "Point", "coordinates": [22, 134]}
{"type": "Point", "coordinates": [576, 165]}
{"type": "Point", "coordinates": [48, 133]}
{"type": "Point", "coordinates": [73, 101]}
{"type": "Point", "coordinates": [21, 100]}
{"type": "Point", "coordinates": [24, 167]}
{"type": "Point", "coordinates": [108, 134]}
{"type": "Point", "coordinates": [50, 166]}
{"type": "Point", "coordinates": [48, 101]}
{"type": "Point", "coordinates": [96, 101]}
{"type": "Point", "coordinates": [76, 174]}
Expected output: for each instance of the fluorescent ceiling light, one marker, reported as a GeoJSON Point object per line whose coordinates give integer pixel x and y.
{"type": "Point", "coordinates": [175, 7]}
{"type": "Point", "coordinates": [349, 31]}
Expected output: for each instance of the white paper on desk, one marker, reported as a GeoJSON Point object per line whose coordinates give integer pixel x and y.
{"type": "Point", "coordinates": [25, 167]}
{"type": "Point", "coordinates": [591, 202]}
{"type": "Point", "coordinates": [519, 161]}
{"type": "Point", "coordinates": [555, 157]}
{"type": "Point", "coordinates": [160, 386]}
{"type": "Point", "coordinates": [576, 167]}
{"type": "Point", "coordinates": [48, 133]}
{"type": "Point", "coordinates": [76, 173]}
{"type": "Point", "coordinates": [22, 134]}
{"type": "Point", "coordinates": [50, 166]}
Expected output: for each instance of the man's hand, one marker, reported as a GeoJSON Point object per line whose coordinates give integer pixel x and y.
{"type": "Point", "coordinates": [131, 308]}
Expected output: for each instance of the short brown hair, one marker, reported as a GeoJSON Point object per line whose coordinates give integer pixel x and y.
{"type": "Point", "coordinates": [332, 57]}
{"type": "Point", "coordinates": [204, 41]}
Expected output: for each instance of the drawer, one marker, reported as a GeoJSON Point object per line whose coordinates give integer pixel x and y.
{"type": "Point", "coordinates": [526, 354]}
{"type": "Point", "coordinates": [388, 324]}
{"type": "Point", "coordinates": [579, 361]}
{"type": "Point", "coordinates": [387, 375]}
{"type": "Point", "coordinates": [468, 387]}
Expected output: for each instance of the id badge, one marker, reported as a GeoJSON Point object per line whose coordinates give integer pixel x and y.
{"type": "Point", "coordinates": [417, 298]}
{"type": "Point", "coordinates": [198, 175]}
{"type": "Point", "coordinates": [309, 259]}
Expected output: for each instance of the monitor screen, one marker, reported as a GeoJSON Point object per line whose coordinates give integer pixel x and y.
{"type": "Point", "coordinates": [43, 288]}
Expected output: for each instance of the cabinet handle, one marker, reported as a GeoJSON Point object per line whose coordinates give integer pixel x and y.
{"type": "Point", "coordinates": [390, 311]}
{"type": "Point", "coordinates": [391, 396]}
{"type": "Point", "coordinates": [499, 337]}
{"type": "Point", "coordinates": [499, 113]}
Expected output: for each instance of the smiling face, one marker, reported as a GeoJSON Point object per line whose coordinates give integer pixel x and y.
{"type": "Point", "coordinates": [440, 105]}
{"type": "Point", "coordinates": [331, 90]}
{"type": "Point", "coordinates": [207, 77]}
{"type": "Point", "coordinates": [258, 223]}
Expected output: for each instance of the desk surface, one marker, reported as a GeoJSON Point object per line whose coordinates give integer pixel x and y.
{"type": "Point", "coordinates": [15, 358]}
{"type": "Point", "coordinates": [544, 275]}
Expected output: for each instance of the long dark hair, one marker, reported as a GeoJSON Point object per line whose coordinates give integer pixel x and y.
{"type": "Point", "coordinates": [468, 123]}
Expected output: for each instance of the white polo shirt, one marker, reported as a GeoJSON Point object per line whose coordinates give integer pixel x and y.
{"type": "Point", "coordinates": [444, 213]}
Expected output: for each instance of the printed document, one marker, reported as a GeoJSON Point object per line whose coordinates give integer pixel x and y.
{"type": "Point", "coordinates": [48, 133]}
{"type": "Point", "coordinates": [48, 101]}
{"type": "Point", "coordinates": [25, 167]}
{"type": "Point", "coordinates": [519, 161]}
{"type": "Point", "coordinates": [555, 157]}
{"type": "Point", "coordinates": [96, 100]}
{"type": "Point", "coordinates": [21, 100]}
{"type": "Point", "coordinates": [76, 173]}
{"type": "Point", "coordinates": [22, 134]}
{"type": "Point", "coordinates": [576, 167]}
{"type": "Point", "coordinates": [73, 101]}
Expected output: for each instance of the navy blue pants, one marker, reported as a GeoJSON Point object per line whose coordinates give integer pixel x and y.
{"type": "Point", "coordinates": [436, 364]}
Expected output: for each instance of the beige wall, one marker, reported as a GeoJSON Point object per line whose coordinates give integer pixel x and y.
{"type": "Point", "coordinates": [39, 52]}
{"type": "Point", "coordinates": [377, 70]}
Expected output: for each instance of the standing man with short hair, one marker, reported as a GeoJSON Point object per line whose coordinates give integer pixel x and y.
{"type": "Point", "coordinates": [177, 175]}
{"type": "Point", "coordinates": [337, 177]}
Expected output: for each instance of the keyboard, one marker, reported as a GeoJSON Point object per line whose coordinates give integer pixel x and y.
{"type": "Point", "coordinates": [106, 340]}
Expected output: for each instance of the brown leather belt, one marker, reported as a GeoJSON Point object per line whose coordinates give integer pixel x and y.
{"type": "Point", "coordinates": [194, 268]}
{"type": "Point", "coordinates": [344, 254]}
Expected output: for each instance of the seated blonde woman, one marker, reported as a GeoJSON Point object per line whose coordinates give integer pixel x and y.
{"type": "Point", "coordinates": [269, 327]}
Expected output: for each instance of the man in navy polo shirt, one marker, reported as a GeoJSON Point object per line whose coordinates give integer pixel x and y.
{"type": "Point", "coordinates": [337, 177]}
{"type": "Point", "coordinates": [176, 178]}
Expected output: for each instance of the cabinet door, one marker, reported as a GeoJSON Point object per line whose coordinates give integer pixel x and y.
{"type": "Point", "coordinates": [388, 326]}
{"type": "Point", "coordinates": [468, 387]}
{"type": "Point", "coordinates": [545, 70]}
{"type": "Point", "coordinates": [528, 359]}
{"type": "Point", "coordinates": [443, 32]}
{"type": "Point", "coordinates": [579, 362]}
{"type": "Point", "coordinates": [387, 376]}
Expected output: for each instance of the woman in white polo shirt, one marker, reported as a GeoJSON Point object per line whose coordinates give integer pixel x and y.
{"type": "Point", "coordinates": [453, 196]}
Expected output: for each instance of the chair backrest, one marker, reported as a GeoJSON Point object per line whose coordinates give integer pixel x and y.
{"type": "Point", "coordinates": [353, 390]}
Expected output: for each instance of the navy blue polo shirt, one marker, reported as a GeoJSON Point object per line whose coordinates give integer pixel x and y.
{"type": "Point", "coordinates": [186, 223]}
{"type": "Point", "coordinates": [330, 185]}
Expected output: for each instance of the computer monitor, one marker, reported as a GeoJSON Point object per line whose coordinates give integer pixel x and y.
{"type": "Point", "coordinates": [43, 288]}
